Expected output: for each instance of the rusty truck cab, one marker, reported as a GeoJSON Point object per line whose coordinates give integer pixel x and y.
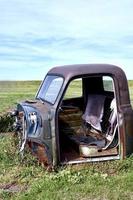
{"type": "Point", "coordinates": [86, 116]}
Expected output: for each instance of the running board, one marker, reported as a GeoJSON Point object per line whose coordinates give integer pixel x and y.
{"type": "Point", "coordinates": [86, 160]}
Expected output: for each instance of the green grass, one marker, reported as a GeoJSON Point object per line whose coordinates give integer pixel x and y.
{"type": "Point", "coordinates": [26, 179]}
{"type": "Point", "coordinates": [108, 180]}
{"type": "Point", "coordinates": [12, 92]}
{"type": "Point", "coordinates": [130, 83]}
{"type": "Point", "coordinates": [74, 89]}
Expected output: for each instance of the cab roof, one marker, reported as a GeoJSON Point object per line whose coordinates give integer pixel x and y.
{"type": "Point", "coordinates": [84, 69]}
{"type": "Point", "coordinates": [79, 70]}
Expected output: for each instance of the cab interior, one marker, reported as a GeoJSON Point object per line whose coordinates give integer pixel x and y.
{"type": "Point", "coordinates": [87, 121]}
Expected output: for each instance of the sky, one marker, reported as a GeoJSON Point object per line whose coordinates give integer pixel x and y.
{"type": "Point", "coordinates": [36, 35]}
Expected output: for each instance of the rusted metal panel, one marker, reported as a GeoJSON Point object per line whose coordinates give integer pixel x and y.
{"type": "Point", "coordinates": [41, 153]}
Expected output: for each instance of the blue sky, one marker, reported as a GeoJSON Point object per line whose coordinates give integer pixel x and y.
{"type": "Point", "coordinates": [36, 35]}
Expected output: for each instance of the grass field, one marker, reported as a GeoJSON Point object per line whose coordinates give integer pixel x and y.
{"type": "Point", "coordinates": [12, 92]}
{"type": "Point", "coordinates": [130, 83]}
{"type": "Point", "coordinates": [27, 180]}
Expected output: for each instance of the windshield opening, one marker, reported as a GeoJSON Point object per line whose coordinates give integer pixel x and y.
{"type": "Point", "coordinates": [50, 88]}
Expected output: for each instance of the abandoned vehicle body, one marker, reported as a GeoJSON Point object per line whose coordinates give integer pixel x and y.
{"type": "Point", "coordinates": [81, 113]}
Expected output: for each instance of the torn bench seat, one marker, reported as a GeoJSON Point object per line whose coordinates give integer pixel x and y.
{"type": "Point", "coordinates": [95, 140]}
{"type": "Point", "coordinates": [77, 135]}
{"type": "Point", "coordinates": [87, 146]}
{"type": "Point", "coordinates": [88, 137]}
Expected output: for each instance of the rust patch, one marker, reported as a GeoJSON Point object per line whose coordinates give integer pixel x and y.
{"type": "Point", "coordinates": [40, 152]}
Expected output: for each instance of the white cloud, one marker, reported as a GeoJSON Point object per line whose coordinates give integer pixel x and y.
{"type": "Point", "coordinates": [47, 33]}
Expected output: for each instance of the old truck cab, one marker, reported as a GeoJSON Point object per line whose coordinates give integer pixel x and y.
{"type": "Point", "coordinates": [81, 113]}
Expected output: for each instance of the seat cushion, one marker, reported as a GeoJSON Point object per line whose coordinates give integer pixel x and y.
{"type": "Point", "coordinates": [87, 144]}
